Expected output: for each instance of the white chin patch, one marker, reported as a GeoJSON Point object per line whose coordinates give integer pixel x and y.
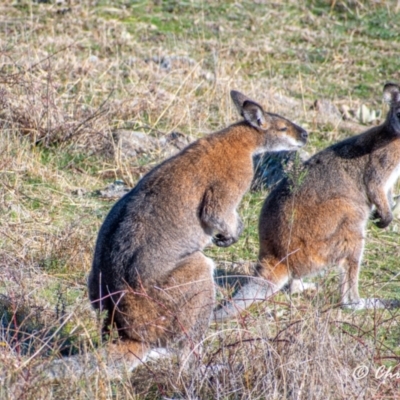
{"type": "Point", "coordinates": [285, 148]}
{"type": "Point", "coordinates": [294, 142]}
{"type": "Point", "coordinates": [287, 143]}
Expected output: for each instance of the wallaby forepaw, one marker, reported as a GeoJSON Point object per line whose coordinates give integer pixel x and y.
{"type": "Point", "coordinates": [223, 241]}
{"type": "Point", "coordinates": [381, 221]}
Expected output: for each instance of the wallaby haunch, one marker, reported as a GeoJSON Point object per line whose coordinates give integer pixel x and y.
{"type": "Point", "coordinates": [149, 273]}
{"type": "Point", "coordinates": [321, 220]}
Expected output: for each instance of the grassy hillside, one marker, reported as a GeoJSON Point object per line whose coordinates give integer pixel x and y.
{"type": "Point", "coordinates": [75, 74]}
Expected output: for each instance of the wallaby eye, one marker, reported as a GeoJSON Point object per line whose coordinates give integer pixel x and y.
{"type": "Point", "coordinates": [398, 114]}
{"type": "Point", "coordinates": [284, 129]}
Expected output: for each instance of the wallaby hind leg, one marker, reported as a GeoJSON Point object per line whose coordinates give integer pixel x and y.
{"type": "Point", "coordinates": [274, 271]}
{"type": "Point", "coordinates": [176, 309]}
{"type": "Point", "coordinates": [126, 352]}
{"type": "Point", "coordinates": [350, 268]}
{"type": "Point", "coordinates": [190, 289]}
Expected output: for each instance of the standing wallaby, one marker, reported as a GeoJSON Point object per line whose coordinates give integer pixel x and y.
{"type": "Point", "coordinates": [320, 221]}
{"type": "Point", "coordinates": [149, 273]}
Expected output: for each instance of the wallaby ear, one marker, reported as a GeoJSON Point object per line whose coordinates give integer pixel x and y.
{"type": "Point", "coordinates": [391, 93]}
{"type": "Point", "coordinates": [239, 99]}
{"type": "Point", "coordinates": [254, 114]}
{"type": "Point", "coordinates": [251, 111]}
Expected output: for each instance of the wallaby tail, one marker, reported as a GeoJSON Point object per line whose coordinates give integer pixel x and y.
{"type": "Point", "coordinates": [116, 360]}
{"type": "Point", "coordinates": [256, 290]}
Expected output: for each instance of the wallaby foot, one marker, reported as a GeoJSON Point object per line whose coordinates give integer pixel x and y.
{"type": "Point", "coordinates": [115, 359]}
{"type": "Point", "coordinates": [298, 286]}
{"type": "Point", "coordinates": [256, 290]}
{"type": "Point", "coordinates": [271, 277]}
{"type": "Point", "coordinates": [366, 304]}
{"type": "Point", "coordinates": [191, 285]}
{"type": "Point", "coordinates": [156, 354]}
{"type": "Point", "coordinates": [224, 241]}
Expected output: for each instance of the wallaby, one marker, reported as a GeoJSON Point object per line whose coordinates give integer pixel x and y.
{"type": "Point", "coordinates": [149, 273]}
{"type": "Point", "coordinates": [320, 221]}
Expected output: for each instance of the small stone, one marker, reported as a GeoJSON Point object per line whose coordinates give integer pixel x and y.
{"type": "Point", "coordinates": [327, 110]}
{"type": "Point", "coordinates": [114, 190]}
{"type": "Point", "coordinates": [346, 112]}
{"type": "Point", "coordinates": [366, 116]}
{"type": "Point", "coordinates": [80, 192]}
{"type": "Point", "coordinates": [93, 59]}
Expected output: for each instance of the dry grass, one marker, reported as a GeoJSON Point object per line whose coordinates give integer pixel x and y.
{"type": "Point", "coordinates": [72, 74]}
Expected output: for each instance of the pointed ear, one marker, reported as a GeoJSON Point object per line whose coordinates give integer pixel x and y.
{"type": "Point", "coordinates": [239, 99]}
{"type": "Point", "coordinates": [251, 111]}
{"type": "Point", "coordinates": [391, 93]}
{"type": "Point", "coordinates": [254, 114]}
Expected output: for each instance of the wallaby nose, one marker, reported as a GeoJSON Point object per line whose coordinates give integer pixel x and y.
{"type": "Point", "coordinates": [304, 134]}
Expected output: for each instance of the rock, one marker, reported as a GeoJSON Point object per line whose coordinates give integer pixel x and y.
{"type": "Point", "coordinates": [163, 62]}
{"type": "Point", "coordinates": [327, 111]}
{"type": "Point", "coordinates": [173, 143]}
{"type": "Point", "coordinates": [344, 118]}
{"type": "Point", "coordinates": [396, 206]}
{"type": "Point", "coordinates": [166, 63]}
{"type": "Point", "coordinates": [80, 192]}
{"type": "Point", "coordinates": [114, 190]}
{"type": "Point", "coordinates": [347, 113]}
{"type": "Point", "coordinates": [365, 115]}
{"type": "Point", "coordinates": [230, 276]}
{"type": "Point", "coordinates": [270, 168]}
{"type": "Point", "coordinates": [208, 75]}
{"type": "Point", "coordinates": [93, 59]}
{"type": "Point", "coordinates": [133, 143]}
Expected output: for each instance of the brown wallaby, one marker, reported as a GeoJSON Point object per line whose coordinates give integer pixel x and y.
{"type": "Point", "coordinates": [320, 221]}
{"type": "Point", "coordinates": [149, 273]}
